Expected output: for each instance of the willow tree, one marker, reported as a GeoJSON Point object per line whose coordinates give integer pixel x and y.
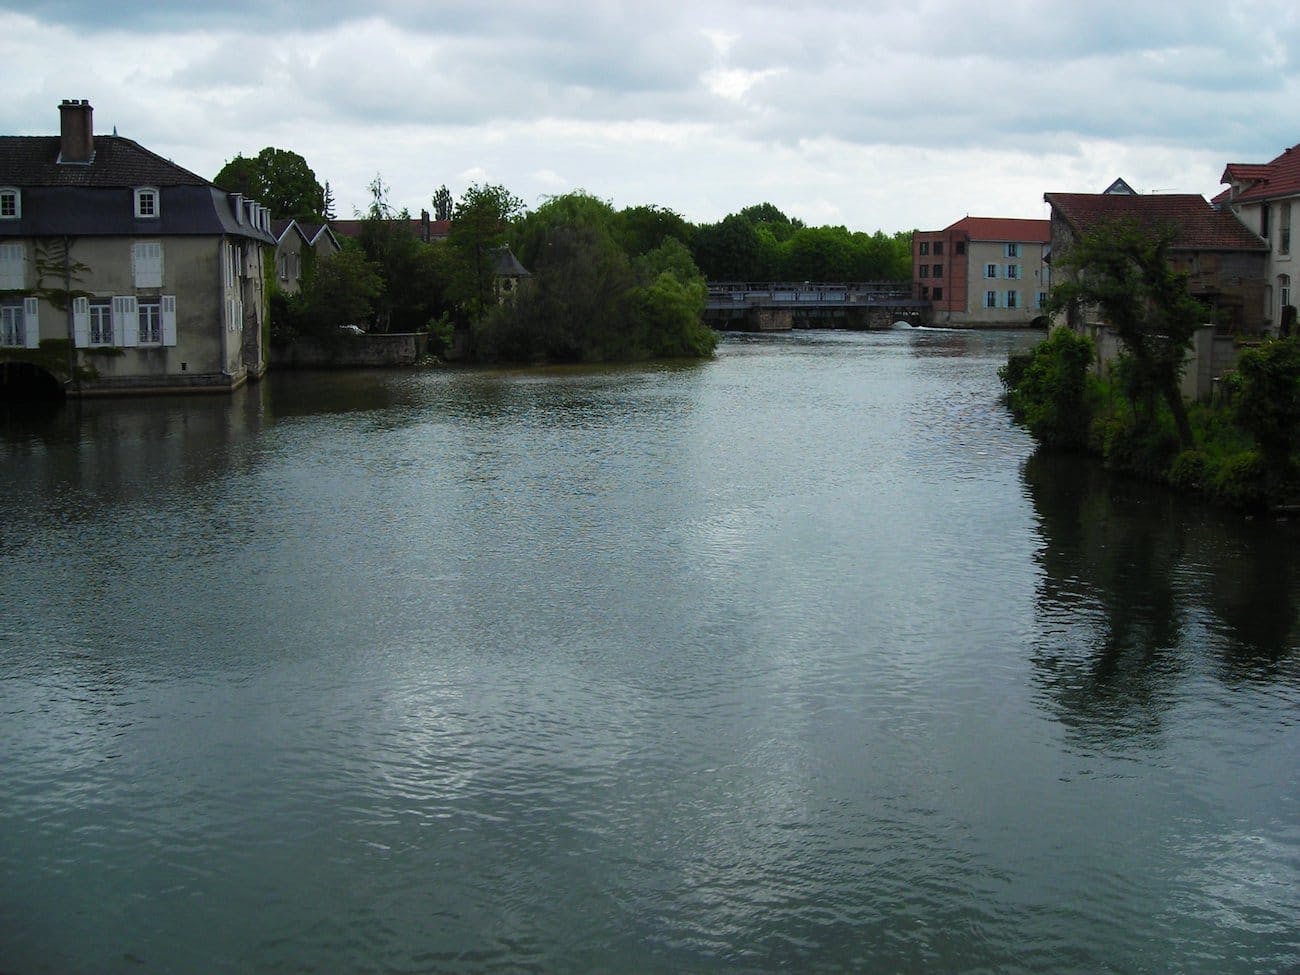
{"type": "Point", "coordinates": [1124, 271]}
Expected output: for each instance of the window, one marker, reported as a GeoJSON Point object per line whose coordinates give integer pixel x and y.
{"type": "Point", "coordinates": [1041, 300]}
{"type": "Point", "coordinates": [1263, 220]}
{"type": "Point", "coordinates": [1284, 290]}
{"type": "Point", "coordinates": [990, 299]}
{"type": "Point", "coordinates": [99, 316]}
{"type": "Point", "coordinates": [1284, 229]}
{"type": "Point", "coordinates": [938, 270]}
{"type": "Point", "coordinates": [938, 248]}
{"type": "Point", "coordinates": [146, 202]}
{"type": "Point", "coordinates": [925, 293]}
{"type": "Point", "coordinates": [11, 324]}
{"type": "Point", "coordinates": [150, 318]}
{"type": "Point", "coordinates": [938, 294]}
{"type": "Point", "coordinates": [959, 247]}
{"type": "Point", "coordinates": [147, 263]}
{"type": "Point", "coordinates": [925, 247]}
{"type": "Point", "coordinates": [1013, 270]}
{"type": "Point", "coordinates": [1013, 250]}
{"type": "Point", "coordinates": [13, 267]}
{"type": "Point", "coordinates": [1013, 299]}
{"type": "Point", "coordinates": [19, 325]}
{"type": "Point", "coordinates": [11, 204]}
{"type": "Point", "coordinates": [990, 271]}
{"type": "Point", "coordinates": [925, 270]}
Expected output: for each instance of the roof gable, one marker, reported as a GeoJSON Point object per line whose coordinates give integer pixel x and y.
{"type": "Point", "coordinates": [1198, 225]}
{"type": "Point", "coordinates": [1262, 181]}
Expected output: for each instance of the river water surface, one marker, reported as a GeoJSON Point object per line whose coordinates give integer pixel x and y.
{"type": "Point", "coordinates": [796, 659]}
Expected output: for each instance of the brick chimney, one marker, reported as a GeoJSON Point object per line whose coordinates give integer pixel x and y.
{"type": "Point", "coordinates": [76, 131]}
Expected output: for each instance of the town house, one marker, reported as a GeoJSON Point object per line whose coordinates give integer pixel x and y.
{"type": "Point", "coordinates": [982, 271]}
{"type": "Point", "coordinates": [152, 274]}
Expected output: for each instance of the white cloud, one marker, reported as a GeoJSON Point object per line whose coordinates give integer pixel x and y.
{"type": "Point", "coordinates": [888, 115]}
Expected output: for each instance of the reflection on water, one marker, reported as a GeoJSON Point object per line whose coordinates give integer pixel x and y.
{"type": "Point", "coordinates": [798, 658]}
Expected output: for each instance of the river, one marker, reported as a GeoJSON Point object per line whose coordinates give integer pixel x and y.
{"type": "Point", "coordinates": [796, 659]}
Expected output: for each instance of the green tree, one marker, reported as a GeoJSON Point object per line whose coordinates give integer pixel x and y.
{"type": "Point", "coordinates": [1124, 271]}
{"type": "Point", "coordinates": [479, 229]}
{"type": "Point", "coordinates": [642, 228]}
{"type": "Point", "coordinates": [442, 203]}
{"type": "Point", "coordinates": [728, 250]}
{"type": "Point", "coordinates": [1267, 405]}
{"type": "Point", "coordinates": [278, 179]}
{"type": "Point", "coordinates": [343, 292]}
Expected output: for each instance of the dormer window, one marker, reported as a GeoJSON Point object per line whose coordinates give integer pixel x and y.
{"type": "Point", "coordinates": [146, 203]}
{"type": "Point", "coordinates": [11, 204]}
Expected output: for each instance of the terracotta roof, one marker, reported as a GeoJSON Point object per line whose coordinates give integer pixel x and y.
{"type": "Point", "coordinates": [1267, 181]}
{"type": "Point", "coordinates": [31, 160]}
{"type": "Point", "coordinates": [1009, 229]}
{"type": "Point", "coordinates": [438, 229]}
{"type": "Point", "coordinates": [1200, 226]}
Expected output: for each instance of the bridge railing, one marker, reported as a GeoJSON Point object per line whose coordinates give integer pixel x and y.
{"type": "Point", "coordinates": [747, 293]}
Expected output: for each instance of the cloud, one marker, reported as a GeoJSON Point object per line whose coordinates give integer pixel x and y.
{"type": "Point", "coordinates": [887, 114]}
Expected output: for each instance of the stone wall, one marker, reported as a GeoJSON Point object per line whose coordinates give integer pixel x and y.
{"type": "Point", "coordinates": [350, 351]}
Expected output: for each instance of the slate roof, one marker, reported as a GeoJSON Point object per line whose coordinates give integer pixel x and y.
{"type": "Point", "coordinates": [1266, 181]}
{"type": "Point", "coordinates": [506, 265]}
{"type": "Point", "coordinates": [1004, 229]}
{"type": "Point", "coordinates": [32, 160]}
{"type": "Point", "coordinates": [96, 198]}
{"type": "Point", "coordinates": [1199, 225]}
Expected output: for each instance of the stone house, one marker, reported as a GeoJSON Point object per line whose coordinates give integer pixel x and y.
{"type": "Point", "coordinates": [1224, 260]}
{"type": "Point", "coordinates": [163, 286]}
{"type": "Point", "coordinates": [988, 272]}
{"type": "Point", "coordinates": [1265, 198]}
{"type": "Point", "coordinates": [298, 246]}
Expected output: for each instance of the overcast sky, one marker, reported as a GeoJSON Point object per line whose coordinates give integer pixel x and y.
{"type": "Point", "coordinates": [873, 115]}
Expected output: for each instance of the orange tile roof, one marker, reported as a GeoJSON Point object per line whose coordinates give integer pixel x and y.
{"type": "Point", "coordinates": [1267, 181]}
{"type": "Point", "coordinates": [1200, 226]}
{"type": "Point", "coordinates": [1003, 229]}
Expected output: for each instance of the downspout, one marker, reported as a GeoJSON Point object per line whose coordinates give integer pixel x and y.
{"type": "Point", "coordinates": [72, 327]}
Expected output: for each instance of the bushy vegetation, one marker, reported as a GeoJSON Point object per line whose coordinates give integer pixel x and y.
{"type": "Point", "coordinates": [1047, 387]}
{"type": "Point", "coordinates": [593, 300]}
{"type": "Point", "coordinates": [1243, 446]}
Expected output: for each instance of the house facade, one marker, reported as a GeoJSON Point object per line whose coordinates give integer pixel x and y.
{"type": "Point", "coordinates": [1266, 198]}
{"type": "Point", "coordinates": [1223, 259]}
{"type": "Point", "coordinates": [298, 246]}
{"type": "Point", "coordinates": [151, 274]}
{"type": "Point", "coordinates": [988, 272]}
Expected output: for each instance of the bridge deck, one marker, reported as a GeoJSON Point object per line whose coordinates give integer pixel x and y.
{"type": "Point", "coordinates": [739, 296]}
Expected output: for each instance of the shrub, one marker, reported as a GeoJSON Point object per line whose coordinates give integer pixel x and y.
{"type": "Point", "coordinates": [1047, 389]}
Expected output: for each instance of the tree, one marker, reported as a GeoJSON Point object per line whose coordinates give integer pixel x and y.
{"type": "Point", "coordinates": [1124, 270]}
{"type": "Point", "coordinates": [280, 180]}
{"type": "Point", "coordinates": [478, 230]}
{"type": "Point", "coordinates": [1268, 404]}
{"type": "Point", "coordinates": [727, 251]}
{"type": "Point", "coordinates": [643, 228]}
{"type": "Point", "coordinates": [342, 292]}
{"type": "Point", "coordinates": [442, 203]}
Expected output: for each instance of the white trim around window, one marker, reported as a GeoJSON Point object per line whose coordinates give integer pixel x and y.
{"type": "Point", "coordinates": [11, 203]}
{"type": "Point", "coordinates": [148, 202]}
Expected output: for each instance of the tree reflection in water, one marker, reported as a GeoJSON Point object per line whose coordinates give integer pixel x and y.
{"type": "Point", "coordinates": [1141, 588]}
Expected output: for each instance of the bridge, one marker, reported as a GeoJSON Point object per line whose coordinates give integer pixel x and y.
{"type": "Point", "coordinates": [769, 307]}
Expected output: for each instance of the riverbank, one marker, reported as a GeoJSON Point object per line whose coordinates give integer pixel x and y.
{"type": "Point", "coordinates": [1239, 449]}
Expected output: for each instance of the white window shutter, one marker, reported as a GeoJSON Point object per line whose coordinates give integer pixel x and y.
{"type": "Point", "coordinates": [168, 319]}
{"type": "Point", "coordinates": [146, 263]}
{"type": "Point", "coordinates": [80, 322]}
{"type": "Point", "coordinates": [13, 260]}
{"type": "Point", "coordinates": [32, 322]}
{"type": "Point", "coordinates": [239, 313]}
{"type": "Point", "coordinates": [126, 321]}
